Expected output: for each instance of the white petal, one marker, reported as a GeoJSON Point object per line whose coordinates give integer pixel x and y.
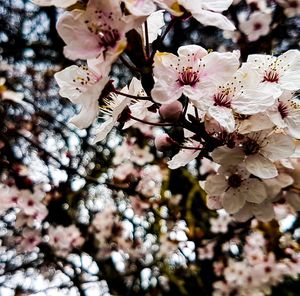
{"type": "Point", "coordinates": [254, 123]}
{"type": "Point", "coordinates": [233, 200]}
{"type": "Point", "coordinates": [103, 130]}
{"type": "Point", "coordinates": [254, 190]}
{"type": "Point", "coordinates": [210, 18]}
{"type": "Point", "coordinates": [224, 116]}
{"type": "Point", "coordinates": [216, 185]}
{"type": "Point", "coordinates": [244, 214]}
{"type": "Point", "coordinates": [182, 158]}
{"type": "Point", "coordinates": [195, 51]}
{"type": "Point", "coordinates": [219, 67]}
{"type": "Point", "coordinates": [260, 166]}
{"type": "Point", "coordinates": [227, 156]}
{"type": "Point", "coordinates": [86, 116]}
{"type": "Point", "coordinates": [264, 211]}
{"type": "Point", "coordinates": [293, 123]}
{"type": "Point", "coordinates": [252, 101]}
{"type": "Point", "coordinates": [165, 93]}
{"type": "Point", "coordinates": [279, 146]}
{"type": "Point", "coordinates": [216, 5]}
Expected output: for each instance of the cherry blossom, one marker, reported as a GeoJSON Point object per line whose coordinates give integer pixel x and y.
{"type": "Point", "coordinates": [259, 151]}
{"type": "Point", "coordinates": [285, 114]}
{"type": "Point", "coordinates": [241, 95]}
{"type": "Point", "coordinates": [192, 73]}
{"type": "Point", "coordinates": [30, 239]}
{"type": "Point", "coordinates": [235, 187]}
{"type": "Point", "coordinates": [258, 25]}
{"type": "Point", "coordinates": [83, 85]}
{"type": "Point", "coordinates": [97, 32]}
{"type": "Point", "coordinates": [291, 7]}
{"type": "Point", "coordinates": [220, 224]}
{"type": "Point", "coordinates": [64, 239]}
{"type": "Point", "coordinates": [277, 73]}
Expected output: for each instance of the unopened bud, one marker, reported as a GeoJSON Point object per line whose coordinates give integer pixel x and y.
{"type": "Point", "coordinates": [171, 112]}
{"type": "Point", "coordinates": [163, 142]}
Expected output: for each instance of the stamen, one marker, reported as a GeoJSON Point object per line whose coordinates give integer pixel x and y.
{"type": "Point", "coordinates": [188, 77]}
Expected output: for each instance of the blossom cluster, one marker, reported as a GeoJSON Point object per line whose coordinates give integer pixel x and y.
{"type": "Point", "coordinates": [243, 116]}
{"type": "Point", "coordinates": [257, 271]}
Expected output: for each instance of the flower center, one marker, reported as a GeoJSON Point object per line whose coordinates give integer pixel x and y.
{"type": "Point", "coordinates": [188, 77]}
{"type": "Point", "coordinates": [109, 38]}
{"type": "Point", "coordinates": [257, 26]}
{"type": "Point", "coordinates": [294, 4]}
{"type": "Point", "coordinates": [234, 181]}
{"type": "Point", "coordinates": [283, 109]}
{"type": "Point", "coordinates": [251, 147]}
{"type": "Point", "coordinates": [222, 99]}
{"type": "Point", "coordinates": [271, 75]}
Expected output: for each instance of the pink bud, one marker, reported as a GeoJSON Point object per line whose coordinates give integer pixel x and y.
{"type": "Point", "coordinates": [171, 112]}
{"type": "Point", "coordinates": [163, 142]}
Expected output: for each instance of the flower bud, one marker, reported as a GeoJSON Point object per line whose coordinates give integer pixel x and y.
{"type": "Point", "coordinates": [163, 142]}
{"type": "Point", "coordinates": [170, 112]}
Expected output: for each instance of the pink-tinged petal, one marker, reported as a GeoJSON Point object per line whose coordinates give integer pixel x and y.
{"type": "Point", "coordinates": [216, 5]}
{"type": "Point", "coordinates": [219, 67]}
{"type": "Point", "coordinates": [224, 116]}
{"type": "Point", "coordinates": [209, 18]}
{"type": "Point", "coordinates": [182, 158]}
{"type": "Point", "coordinates": [216, 185]}
{"type": "Point", "coordinates": [252, 101]}
{"type": "Point", "coordinates": [165, 93]}
{"type": "Point", "coordinates": [214, 202]}
{"type": "Point", "coordinates": [233, 200]}
{"type": "Point", "coordinates": [279, 146]}
{"type": "Point", "coordinates": [192, 51]}
{"type": "Point", "coordinates": [244, 214]}
{"type": "Point", "coordinates": [162, 66]}
{"type": "Point", "coordinates": [103, 130]}
{"type": "Point", "coordinates": [81, 43]}
{"type": "Point", "coordinates": [226, 156]}
{"type": "Point", "coordinates": [254, 190]}
{"type": "Point", "coordinates": [264, 211]}
{"type": "Point", "coordinates": [260, 166]}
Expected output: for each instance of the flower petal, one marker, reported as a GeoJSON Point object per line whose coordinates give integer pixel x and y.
{"type": "Point", "coordinates": [233, 200]}
{"type": "Point", "coordinates": [215, 185]}
{"type": "Point", "coordinates": [224, 116]}
{"type": "Point", "coordinates": [260, 166]}
{"type": "Point", "coordinates": [254, 190]}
